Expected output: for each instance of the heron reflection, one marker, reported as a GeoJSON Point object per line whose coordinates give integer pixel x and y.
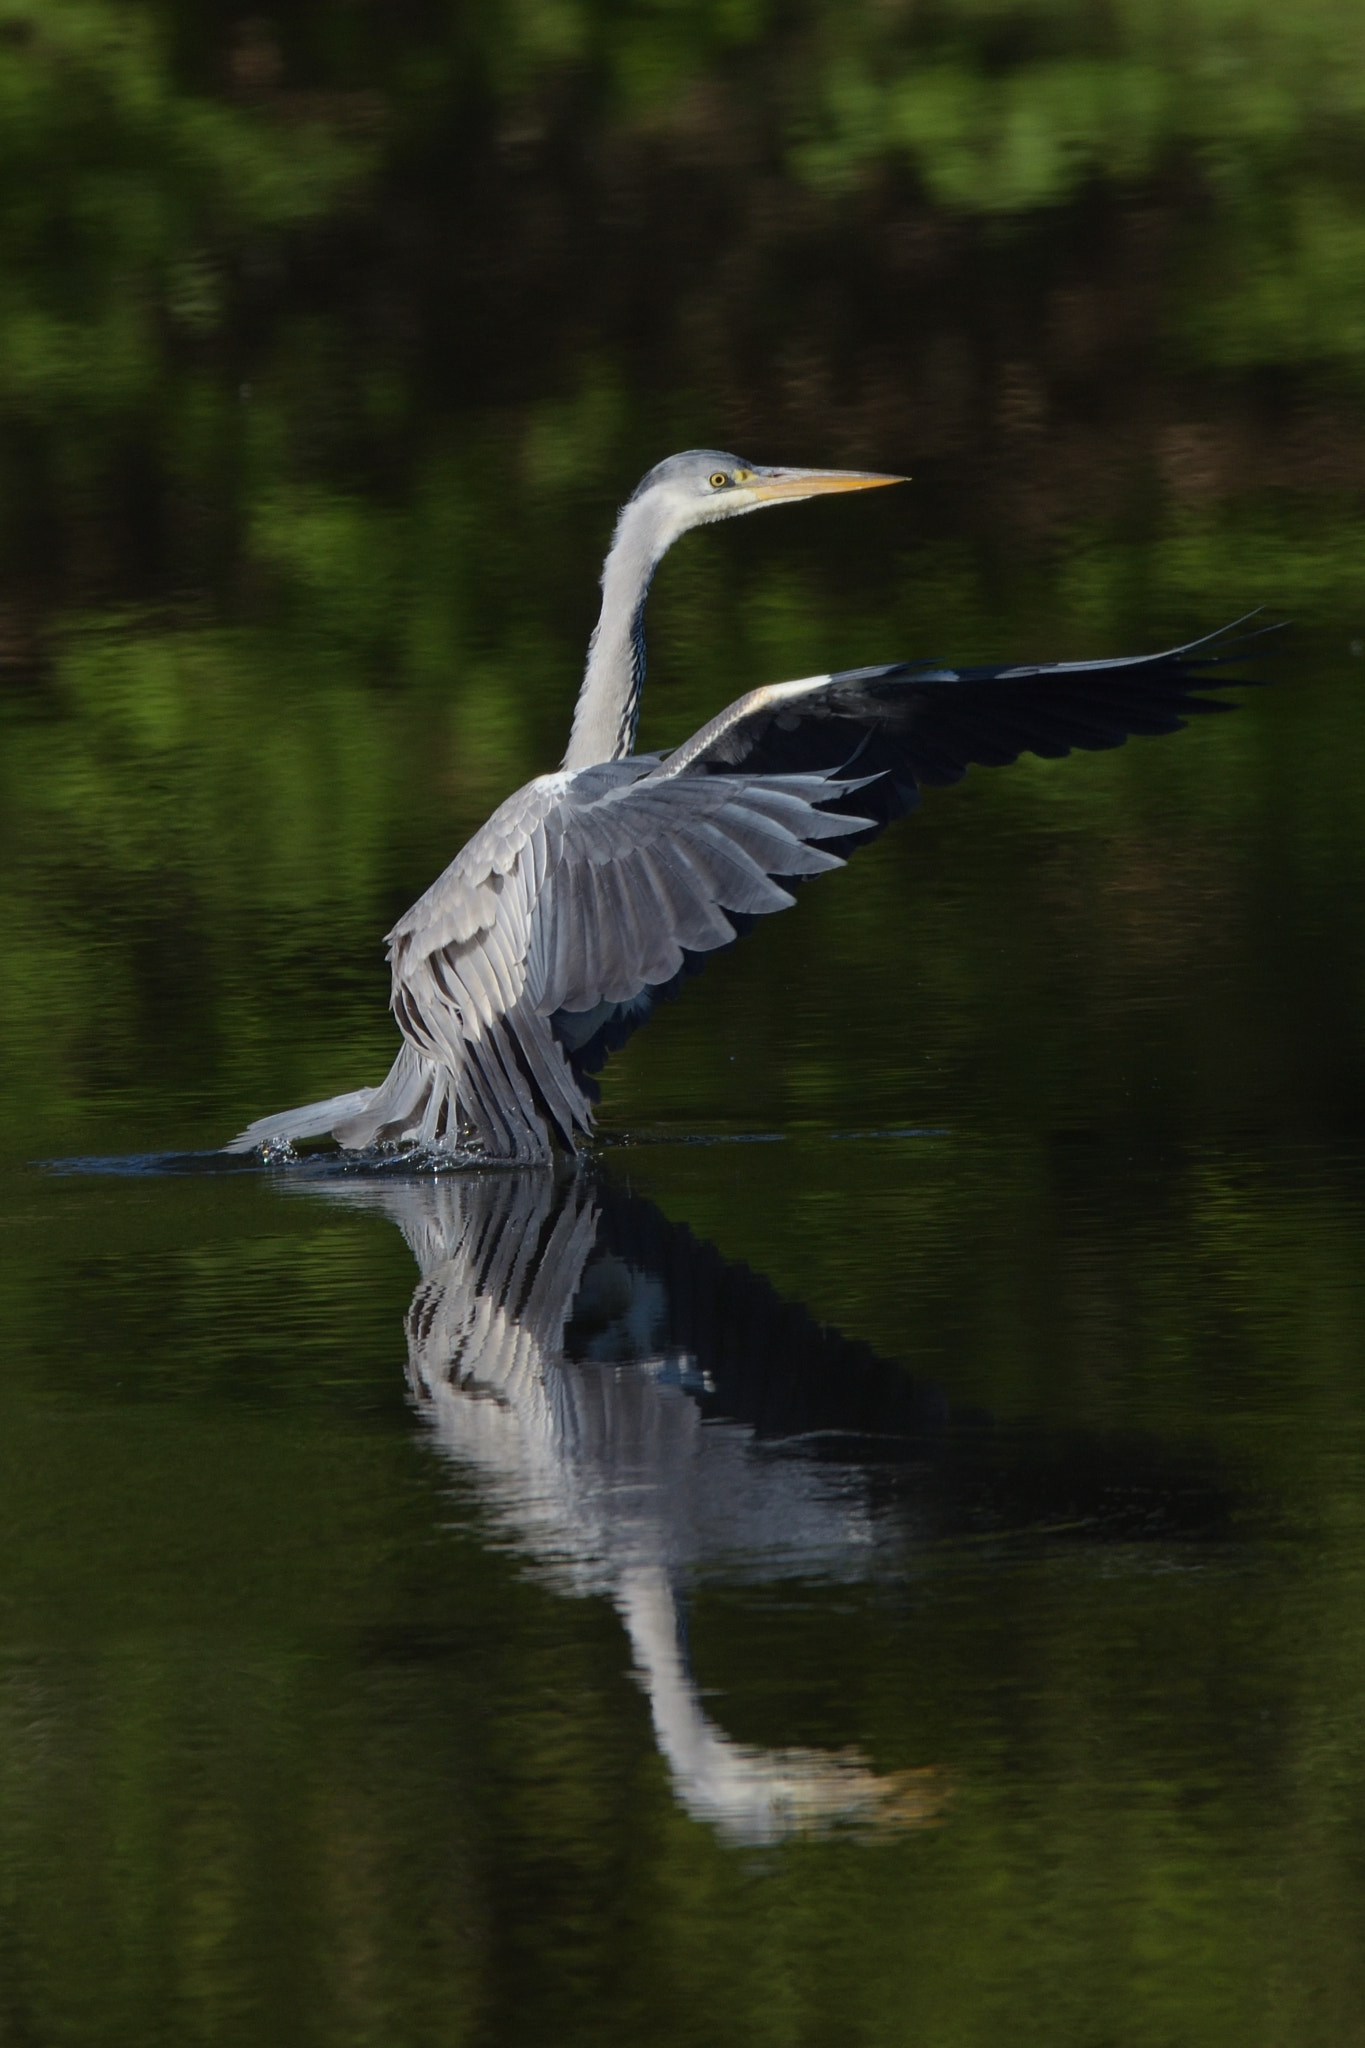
{"type": "Point", "coordinates": [641, 1415]}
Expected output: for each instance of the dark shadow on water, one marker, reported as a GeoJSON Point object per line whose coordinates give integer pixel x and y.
{"type": "Point", "coordinates": [378, 1163]}
{"type": "Point", "coordinates": [390, 1162]}
{"type": "Point", "coordinates": [142, 1165]}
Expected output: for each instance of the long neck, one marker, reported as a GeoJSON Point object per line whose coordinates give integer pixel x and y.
{"type": "Point", "coordinates": [609, 702]}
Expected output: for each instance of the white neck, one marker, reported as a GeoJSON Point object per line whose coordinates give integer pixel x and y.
{"type": "Point", "coordinates": [609, 701]}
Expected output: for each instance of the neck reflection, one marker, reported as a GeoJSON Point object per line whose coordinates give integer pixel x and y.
{"type": "Point", "coordinates": [641, 1415]}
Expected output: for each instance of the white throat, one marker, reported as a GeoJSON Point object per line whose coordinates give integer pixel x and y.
{"type": "Point", "coordinates": [608, 705]}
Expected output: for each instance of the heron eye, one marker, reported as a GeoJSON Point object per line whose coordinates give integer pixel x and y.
{"type": "Point", "coordinates": [719, 480]}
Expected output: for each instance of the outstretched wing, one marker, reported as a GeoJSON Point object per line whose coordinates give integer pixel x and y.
{"type": "Point", "coordinates": [917, 724]}
{"type": "Point", "coordinates": [589, 895]}
{"type": "Point", "coordinates": [581, 902]}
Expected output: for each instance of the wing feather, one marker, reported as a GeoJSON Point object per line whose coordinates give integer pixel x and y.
{"type": "Point", "coordinates": [661, 950]}
{"type": "Point", "coordinates": [772, 848]}
{"type": "Point", "coordinates": [734, 879]}
{"type": "Point", "coordinates": [696, 923]}
{"type": "Point", "coordinates": [625, 949]}
{"type": "Point", "coordinates": [915, 724]}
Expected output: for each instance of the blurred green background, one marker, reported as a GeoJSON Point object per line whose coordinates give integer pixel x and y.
{"type": "Point", "coordinates": [329, 342]}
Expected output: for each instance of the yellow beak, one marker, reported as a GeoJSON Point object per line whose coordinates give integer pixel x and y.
{"type": "Point", "coordinates": [771, 485]}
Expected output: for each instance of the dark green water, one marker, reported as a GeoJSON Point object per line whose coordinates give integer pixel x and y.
{"type": "Point", "coordinates": [898, 1582]}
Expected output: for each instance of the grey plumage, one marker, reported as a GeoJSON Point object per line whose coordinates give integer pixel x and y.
{"type": "Point", "coordinates": [550, 936]}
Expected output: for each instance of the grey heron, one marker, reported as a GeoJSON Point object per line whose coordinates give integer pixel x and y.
{"type": "Point", "coordinates": [591, 891]}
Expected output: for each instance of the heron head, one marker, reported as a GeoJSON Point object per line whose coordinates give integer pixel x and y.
{"type": "Point", "coordinates": [706, 484]}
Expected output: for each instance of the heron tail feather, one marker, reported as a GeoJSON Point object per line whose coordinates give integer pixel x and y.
{"type": "Point", "coordinates": [415, 1104]}
{"type": "Point", "coordinates": [313, 1120]}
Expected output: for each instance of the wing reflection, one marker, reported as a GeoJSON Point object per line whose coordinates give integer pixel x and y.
{"type": "Point", "coordinates": [642, 1415]}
